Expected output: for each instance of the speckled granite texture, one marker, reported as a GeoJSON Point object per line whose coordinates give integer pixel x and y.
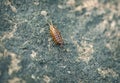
{"type": "Point", "coordinates": [91, 34]}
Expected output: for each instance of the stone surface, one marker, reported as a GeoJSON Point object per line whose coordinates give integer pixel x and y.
{"type": "Point", "coordinates": [91, 34]}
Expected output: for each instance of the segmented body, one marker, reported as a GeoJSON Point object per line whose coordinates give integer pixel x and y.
{"type": "Point", "coordinates": [56, 35]}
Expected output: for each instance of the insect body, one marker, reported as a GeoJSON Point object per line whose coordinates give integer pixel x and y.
{"type": "Point", "coordinates": [57, 38]}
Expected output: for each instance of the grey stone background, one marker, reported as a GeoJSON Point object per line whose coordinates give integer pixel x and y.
{"type": "Point", "coordinates": [91, 34]}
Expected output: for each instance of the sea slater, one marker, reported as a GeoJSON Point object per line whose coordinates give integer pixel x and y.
{"type": "Point", "coordinates": [56, 36]}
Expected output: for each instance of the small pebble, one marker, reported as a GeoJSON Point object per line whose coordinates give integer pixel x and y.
{"type": "Point", "coordinates": [44, 13]}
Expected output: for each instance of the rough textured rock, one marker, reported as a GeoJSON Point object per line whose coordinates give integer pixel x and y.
{"type": "Point", "coordinates": [91, 34]}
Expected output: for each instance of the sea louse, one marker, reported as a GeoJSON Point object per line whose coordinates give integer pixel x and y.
{"type": "Point", "coordinates": [56, 36]}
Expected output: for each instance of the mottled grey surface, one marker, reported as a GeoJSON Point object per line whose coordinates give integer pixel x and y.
{"type": "Point", "coordinates": [91, 34]}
